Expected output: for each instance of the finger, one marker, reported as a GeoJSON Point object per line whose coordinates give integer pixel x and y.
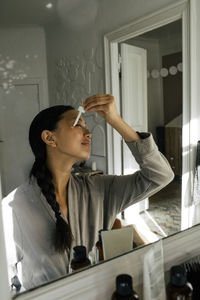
{"type": "Point", "coordinates": [93, 98]}
{"type": "Point", "coordinates": [103, 108]}
{"type": "Point", "coordinates": [96, 97]}
{"type": "Point", "coordinates": [97, 102]}
{"type": "Point", "coordinates": [101, 99]}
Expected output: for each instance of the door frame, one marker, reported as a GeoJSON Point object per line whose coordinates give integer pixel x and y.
{"type": "Point", "coordinates": [164, 16]}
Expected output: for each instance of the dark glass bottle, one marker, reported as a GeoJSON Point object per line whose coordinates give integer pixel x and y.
{"type": "Point", "coordinates": [178, 287]}
{"type": "Point", "coordinates": [99, 248]}
{"type": "Point", "coordinates": [80, 259]}
{"type": "Point", "coordinates": [124, 288]}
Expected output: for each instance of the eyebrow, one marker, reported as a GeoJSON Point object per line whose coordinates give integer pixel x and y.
{"type": "Point", "coordinates": [80, 120]}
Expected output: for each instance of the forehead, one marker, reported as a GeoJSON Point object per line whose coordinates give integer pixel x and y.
{"type": "Point", "coordinates": [71, 115]}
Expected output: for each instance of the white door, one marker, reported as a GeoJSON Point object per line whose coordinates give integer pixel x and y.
{"type": "Point", "coordinates": [134, 105]}
{"type": "Point", "coordinates": [17, 110]}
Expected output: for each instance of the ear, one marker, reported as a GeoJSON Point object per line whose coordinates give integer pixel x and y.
{"type": "Point", "coordinates": [48, 138]}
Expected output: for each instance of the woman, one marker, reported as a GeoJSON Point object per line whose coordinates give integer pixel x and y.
{"type": "Point", "coordinates": [56, 210]}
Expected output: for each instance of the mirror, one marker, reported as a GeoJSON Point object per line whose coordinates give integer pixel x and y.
{"type": "Point", "coordinates": [47, 58]}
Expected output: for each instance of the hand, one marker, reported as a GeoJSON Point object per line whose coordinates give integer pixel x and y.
{"type": "Point", "coordinates": [104, 105]}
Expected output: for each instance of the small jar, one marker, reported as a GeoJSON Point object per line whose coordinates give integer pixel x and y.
{"type": "Point", "coordinates": [178, 287]}
{"type": "Point", "coordinates": [80, 259]}
{"type": "Point", "coordinates": [124, 288]}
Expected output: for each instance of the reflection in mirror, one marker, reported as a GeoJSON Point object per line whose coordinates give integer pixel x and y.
{"type": "Point", "coordinates": [36, 73]}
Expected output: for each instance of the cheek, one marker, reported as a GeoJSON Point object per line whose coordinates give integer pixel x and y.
{"type": "Point", "coordinates": [70, 139]}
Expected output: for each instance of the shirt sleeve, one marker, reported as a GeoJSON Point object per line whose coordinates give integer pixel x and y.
{"type": "Point", "coordinates": [125, 190]}
{"type": "Point", "coordinates": [13, 242]}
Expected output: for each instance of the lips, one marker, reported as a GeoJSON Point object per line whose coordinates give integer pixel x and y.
{"type": "Point", "coordinates": [86, 143]}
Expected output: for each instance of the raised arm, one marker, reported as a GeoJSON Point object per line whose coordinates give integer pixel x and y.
{"type": "Point", "coordinates": [155, 171]}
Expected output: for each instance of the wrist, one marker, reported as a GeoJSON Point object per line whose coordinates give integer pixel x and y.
{"type": "Point", "coordinates": [114, 121]}
{"type": "Point", "coordinates": [125, 130]}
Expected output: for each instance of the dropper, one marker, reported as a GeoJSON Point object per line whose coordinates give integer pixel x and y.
{"type": "Point", "coordinates": [80, 111]}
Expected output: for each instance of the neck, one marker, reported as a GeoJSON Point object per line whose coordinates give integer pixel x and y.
{"type": "Point", "coordinates": [61, 171]}
{"type": "Point", "coordinates": [60, 181]}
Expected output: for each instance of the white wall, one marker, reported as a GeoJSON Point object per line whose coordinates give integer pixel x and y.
{"type": "Point", "coordinates": [27, 46]}
{"type": "Point", "coordinates": [195, 71]}
{"type": "Point", "coordinates": [195, 103]}
{"type": "Point", "coordinates": [80, 33]}
{"type": "Point", "coordinates": [23, 92]}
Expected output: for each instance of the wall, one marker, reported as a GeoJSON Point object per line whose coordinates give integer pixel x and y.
{"type": "Point", "coordinates": [75, 45]}
{"type": "Point", "coordinates": [195, 103]}
{"type": "Point", "coordinates": [23, 92]}
{"type": "Point", "coordinates": [23, 57]}
{"type": "Point", "coordinates": [170, 44]}
{"type": "Point", "coordinates": [25, 45]}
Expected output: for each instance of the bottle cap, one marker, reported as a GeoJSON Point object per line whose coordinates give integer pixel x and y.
{"type": "Point", "coordinates": [79, 253]}
{"type": "Point", "coordinates": [99, 234]}
{"type": "Point", "coordinates": [81, 109]}
{"type": "Point", "coordinates": [124, 285]}
{"type": "Point", "coordinates": [178, 276]}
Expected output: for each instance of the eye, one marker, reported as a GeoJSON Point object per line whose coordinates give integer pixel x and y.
{"type": "Point", "coordinates": [78, 125]}
{"type": "Point", "coordinates": [81, 126]}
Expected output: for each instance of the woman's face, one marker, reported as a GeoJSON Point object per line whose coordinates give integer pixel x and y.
{"type": "Point", "coordinates": [72, 142]}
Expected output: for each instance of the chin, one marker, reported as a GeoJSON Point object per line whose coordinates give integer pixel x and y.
{"type": "Point", "coordinates": [87, 157]}
{"type": "Point", "coordinates": [84, 157]}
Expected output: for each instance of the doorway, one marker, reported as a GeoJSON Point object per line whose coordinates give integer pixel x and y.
{"type": "Point", "coordinates": [164, 114]}
{"type": "Point", "coordinates": [140, 31]}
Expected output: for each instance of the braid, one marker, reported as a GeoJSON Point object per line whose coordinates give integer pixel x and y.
{"type": "Point", "coordinates": [48, 119]}
{"type": "Point", "coordinates": [63, 237]}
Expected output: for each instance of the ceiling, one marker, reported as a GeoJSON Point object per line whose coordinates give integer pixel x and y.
{"type": "Point", "coordinates": [29, 12]}
{"type": "Point", "coordinates": [13, 12]}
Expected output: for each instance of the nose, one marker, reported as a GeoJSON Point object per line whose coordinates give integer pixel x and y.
{"type": "Point", "coordinates": [88, 133]}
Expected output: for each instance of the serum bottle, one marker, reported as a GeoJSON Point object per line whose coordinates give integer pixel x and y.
{"type": "Point", "coordinates": [178, 287]}
{"type": "Point", "coordinates": [99, 248]}
{"type": "Point", "coordinates": [80, 259]}
{"type": "Point", "coordinates": [124, 288]}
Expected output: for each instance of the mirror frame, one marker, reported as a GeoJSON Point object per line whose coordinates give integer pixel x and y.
{"type": "Point", "coordinates": [68, 288]}
{"type": "Point", "coordinates": [169, 14]}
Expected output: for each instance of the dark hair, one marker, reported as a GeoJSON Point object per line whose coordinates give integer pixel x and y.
{"type": "Point", "coordinates": [48, 119]}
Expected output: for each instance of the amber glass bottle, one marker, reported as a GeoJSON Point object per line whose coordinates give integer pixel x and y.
{"type": "Point", "coordinates": [124, 288]}
{"type": "Point", "coordinates": [80, 259]}
{"type": "Point", "coordinates": [178, 287]}
{"type": "Point", "coordinates": [99, 248]}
